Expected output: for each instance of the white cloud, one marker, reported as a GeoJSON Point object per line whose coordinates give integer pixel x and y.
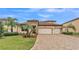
{"type": "Point", "coordinates": [29, 10]}
{"type": "Point", "coordinates": [35, 9]}
{"type": "Point", "coordinates": [44, 15]}
{"type": "Point", "coordinates": [40, 9]}
{"type": "Point", "coordinates": [55, 9]}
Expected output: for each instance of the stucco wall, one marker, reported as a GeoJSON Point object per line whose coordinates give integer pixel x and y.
{"type": "Point", "coordinates": [75, 23]}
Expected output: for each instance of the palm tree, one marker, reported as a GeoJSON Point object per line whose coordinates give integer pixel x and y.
{"type": "Point", "coordinates": [11, 22]}
{"type": "Point", "coordinates": [24, 28]}
{"type": "Point", "coordinates": [34, 30]}
{"type": "Point", "coordinates": [28, 30]}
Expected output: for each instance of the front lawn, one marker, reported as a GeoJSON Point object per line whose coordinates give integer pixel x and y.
{"type": "Point", "coordinates": [16, 43]}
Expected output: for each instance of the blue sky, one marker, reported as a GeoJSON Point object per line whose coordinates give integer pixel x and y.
{"type": "Point", "coordinates": [60, 15]}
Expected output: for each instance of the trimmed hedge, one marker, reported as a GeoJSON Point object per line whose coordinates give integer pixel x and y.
{"type": "Point", "coordinates": [76, 33]}
{"type": "Point", "coordinates": [10, 33]}
{"type": "Point", "coordinates": [70, 33]}
{"type": "Point", "coordinates": [67, 33]}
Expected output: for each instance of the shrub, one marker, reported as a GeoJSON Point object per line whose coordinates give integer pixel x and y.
{"type": "Point", "coordinates": [1, 33]}
{"type": "Point", "coordinates": [10, 33]}
{"type": "Point", "coordinates": [67, 33]}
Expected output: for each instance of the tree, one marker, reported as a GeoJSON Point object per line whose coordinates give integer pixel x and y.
{"type": "Point", "coordinates": [34, 30]}
{"type": "Point", "coordinates": [1, 29]}
{"type": "Point", "coordinates": [28, 30]}
{"type": "Point", "coordinates": [11, 22]}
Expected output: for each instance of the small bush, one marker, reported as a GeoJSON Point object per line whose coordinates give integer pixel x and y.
{"type": "Point", "coordinates": [67, 33]}
{"type": "Point", "coordinates": [10, 33]}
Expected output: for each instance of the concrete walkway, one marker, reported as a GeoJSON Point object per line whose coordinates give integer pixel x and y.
{"type": "Point", "coordinates": [56, 42]}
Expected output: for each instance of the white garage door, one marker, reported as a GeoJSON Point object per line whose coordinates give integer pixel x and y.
{"type": "Point", "coordinates": [44, 31]}
{"type": "Point", "coordinates": [56, 31]}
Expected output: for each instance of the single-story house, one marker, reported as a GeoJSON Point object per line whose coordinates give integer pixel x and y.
{"type": "Point", "coordinates": [45, 27]}
{"type": "Point", "coordinates": [51, 27]}
{"type": "Point", "coordinates": [71, 26]}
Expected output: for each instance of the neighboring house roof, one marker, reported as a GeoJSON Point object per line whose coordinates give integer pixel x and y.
{"type": "Point", "coordinates": [21, 23]}
{"type": "Point", "coordinates": [3, 19]}
{"type": "Point", "coordinates": [71, 20]}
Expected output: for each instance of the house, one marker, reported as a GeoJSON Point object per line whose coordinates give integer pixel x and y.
{"type": "Point", "coordinates": [3, 21]}
{"type": "Point", "coordinates": [44, 27]}
{"type": "Point", "coordinates": [6, 27]}
{"type": "Point", "coordinates": [51, 27]}
{"type": "Point", "coordinates": [71, 26]}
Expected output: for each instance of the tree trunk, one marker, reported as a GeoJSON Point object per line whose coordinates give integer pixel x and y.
{"type": "Point", "coordinates": [11, 28]}
{"type": "Point", "coordinates": [28, 33]}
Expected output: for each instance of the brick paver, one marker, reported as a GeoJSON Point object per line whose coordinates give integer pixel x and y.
{"type": "Point", "coordinates": [56, 42]}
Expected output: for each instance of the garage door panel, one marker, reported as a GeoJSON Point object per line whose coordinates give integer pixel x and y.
{"type": "Point", "coordinates": [44, 31]}
{"type": "Point", "coordinates": [56, 31]}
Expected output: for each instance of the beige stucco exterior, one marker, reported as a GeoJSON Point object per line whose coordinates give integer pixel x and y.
{"type": "Point", "coordinates": [45, 25]}
{"type": "Point", "coordinates": [75, 23]}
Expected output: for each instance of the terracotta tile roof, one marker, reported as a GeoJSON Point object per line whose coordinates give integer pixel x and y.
{"type": "Point", "coordinates": [42, 23]}
{"type": "Point", "coordinates": [49, 21]}
{"type": "Point", "coordinates": [48, 24]}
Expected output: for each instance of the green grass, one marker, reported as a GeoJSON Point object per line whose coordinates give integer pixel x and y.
{"type": "Point", "coordinates": [16, 43]}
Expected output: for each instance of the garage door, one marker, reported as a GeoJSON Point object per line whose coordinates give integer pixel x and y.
{"type": "Point", "coordinates": [56, 31]}
{"type": "Point", "coordinates": [44, 31]}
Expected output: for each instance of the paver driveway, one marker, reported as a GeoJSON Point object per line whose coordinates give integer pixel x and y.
{"type": "Point", "coordinates": [56, 42]}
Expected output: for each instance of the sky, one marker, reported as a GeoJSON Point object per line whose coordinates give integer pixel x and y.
{"type": "Point", "coordinates": [60, 15]}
